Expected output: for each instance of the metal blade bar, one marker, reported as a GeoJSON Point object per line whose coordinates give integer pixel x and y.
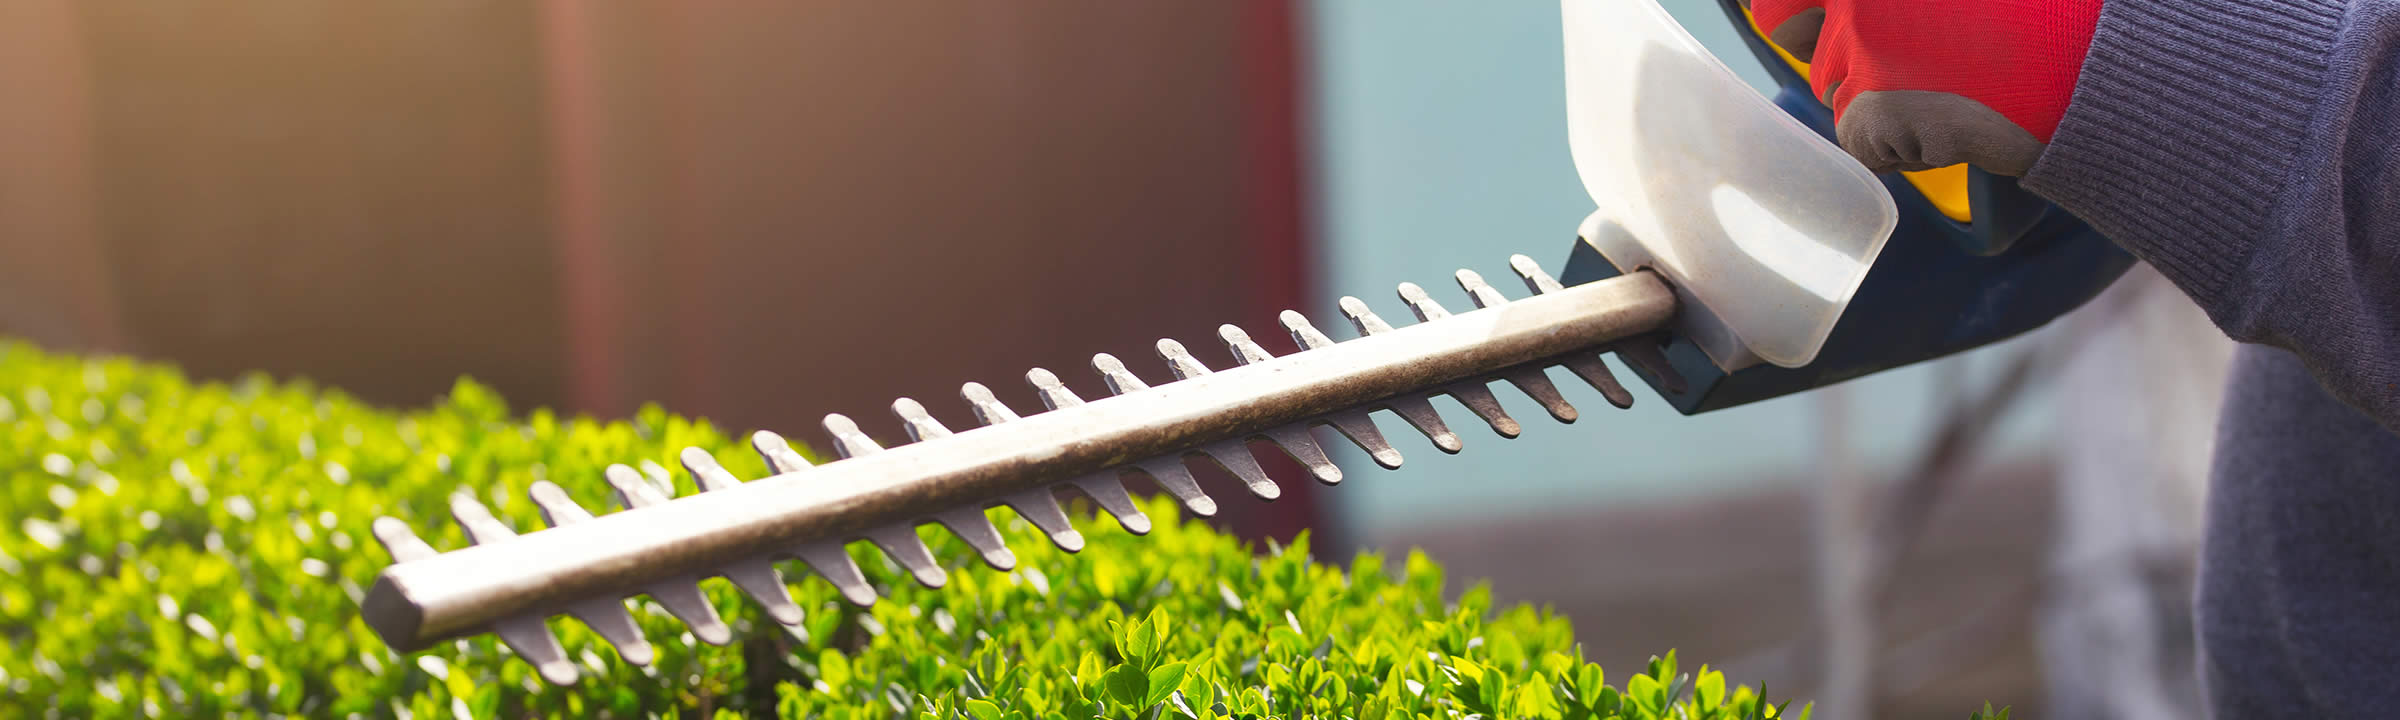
{"type": "Point", "coordinates": [422, 600]}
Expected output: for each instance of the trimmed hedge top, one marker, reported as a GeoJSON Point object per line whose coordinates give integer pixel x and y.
{"type": "Point", "coordinates": [177, 549]}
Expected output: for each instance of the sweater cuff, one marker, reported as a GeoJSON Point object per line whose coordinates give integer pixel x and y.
{"type": "Point", "coordinates": [2183, 128]}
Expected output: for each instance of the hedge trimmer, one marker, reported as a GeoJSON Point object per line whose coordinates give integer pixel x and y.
{"type": "Point", "coordinates": [1734, 257]}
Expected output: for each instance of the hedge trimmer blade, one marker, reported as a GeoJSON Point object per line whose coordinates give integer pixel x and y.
{"type": "Point", "coordinates": [588, 566]}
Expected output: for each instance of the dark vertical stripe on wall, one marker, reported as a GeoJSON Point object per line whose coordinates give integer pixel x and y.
{"type": "Point", "coordinates": [1271, 74]}
{"type": "Point", "coordinates": [593, 306]}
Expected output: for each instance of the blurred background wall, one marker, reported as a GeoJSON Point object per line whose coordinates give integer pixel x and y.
{"type": "Point", "coordinates": [756, 213]}
{"type": "Point", "coordinates": [761, 213]}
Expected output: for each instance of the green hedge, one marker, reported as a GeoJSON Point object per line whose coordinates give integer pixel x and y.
{"type": "Point", "coordinates": [179, 549]}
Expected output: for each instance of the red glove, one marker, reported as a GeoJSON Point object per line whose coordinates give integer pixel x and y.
{"type": "Point", "coordinates": [1921, 84]}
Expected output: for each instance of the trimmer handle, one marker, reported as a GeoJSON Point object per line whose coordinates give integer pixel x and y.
{"type": "Point", "coordinates": [1974, 260]}
{"type": "Point", "coordinates": [1987, 213]}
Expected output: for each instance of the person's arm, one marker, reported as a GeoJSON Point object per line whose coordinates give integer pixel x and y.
{"type": "Point", "coordinates": [2247, 149]}
{"type": "Point", "coordinates": [2250, 150]}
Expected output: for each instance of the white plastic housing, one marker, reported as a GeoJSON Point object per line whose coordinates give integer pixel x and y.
{"type": "Point", "coordinates": [1764, 227]}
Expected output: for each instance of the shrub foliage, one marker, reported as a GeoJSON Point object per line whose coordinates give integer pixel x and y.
{"type": "Point", "coordinates": [179, 549]}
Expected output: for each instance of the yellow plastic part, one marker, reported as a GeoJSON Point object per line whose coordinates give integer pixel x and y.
{"type": "Point", "coordinates": [1945, 187]}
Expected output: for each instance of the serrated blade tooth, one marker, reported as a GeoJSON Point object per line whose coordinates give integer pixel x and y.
{"type": "Point", "coordinates": [683, 600]}
{"type": "Point", "coordinates": [556, 507]}
{"type": "Point", "coordinates": [1054, 393]}
{"type": "Point", "coordinates": [1107, 491]}
{"type": "Point", "coordinates": [1170, 474]}
{"type": "Point", "coordinates": [530, 639]}
{"type": "Point", "coordinates": [1592, 368]}
{"type": "Point", "coordinates": [658, 476]}
{"type": "Point", "coordinates": [1245, 350]}
{"type": "Point", "coordinates": [680, 596]}
{"type": "Point", "coordinates": [1422, 304]}
{"type": "Point", "coordinates": [1040, 507]}
{"type": "Point", "coordinates": [1360, 428]}
{"type": "Point", "coordinates": [827, 559]}
{"type": "Point", "coordinates": [1484, 294]}
{"type": "Point", "coordinates": [1307, 336]}
{"type": "Point", "coordinates": [608, 618]}
{"type": "Point", "coordinates": [605, 616]}
{"type": "Point", "coordinates": [525, 634]}
{"type": "Point", "coordinates": [1303, 449]}
{"type": "Point", "coordinates": [1120, 380]}
{"type": "Point", "coordinates": [632, 489]}
{"type": "Point", "coordinates": [1180, 360]}
{"type": "Point", "coordinates": [1595, 372]}
{"type": "Point", "coordinates": [780, 456]}
{"type": "Point", "coordinates": [757, 577]}
{"type": "Point", "coordinates": [1367, 322]}
{"type": "Point", "coordinates": [400, 541]}
{"type": "Point", "coordinates": [1354, 424]}
{"type": "Point", "coordinates": [1036, 506]}
{"type": "Point", "coordinates": [1419, 414]}
{"type": "Point", "coordinates": [1536, 384]}
{"type": "Point", "coordinates": [1536, 280]}
{"type": "Point", "coordinates": [1235, 457]}
{"type": "Point", "coordinates": [481, 527]}
{"type": "Point", "coordinates": [1645, 356]}
{"type": "Point", "coordinates": [847, 438]}
{"type": "Point", "coordinates": [988, 407]}
{"type": "Point", "coordinates": [1478, 399]}
{"type": "Point", "coordinates": [902, 544]}
{"type": "Point", "coordinates": [1294, 439]}
{"type": "Point", "coordinates": [974, 527]}
{"type": "Point", "coordinates": [833, 563]}
{"type": "Point", "coordinates": [921, 424]}
{"type": "Point", "coordinates": [1414, 409]}
{"type": "Point", "coordinates": [705, 470]}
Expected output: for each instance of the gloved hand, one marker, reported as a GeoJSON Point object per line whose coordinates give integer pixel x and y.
{"type": "Point", "coordinates": [1921, 84]}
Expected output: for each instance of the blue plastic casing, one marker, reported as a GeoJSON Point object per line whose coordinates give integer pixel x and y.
{"type": "Point", "coordinates": [1940, 286]}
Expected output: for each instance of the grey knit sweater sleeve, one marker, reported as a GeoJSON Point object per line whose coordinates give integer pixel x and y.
{"type": "Point", "coordinates": [2250, 150]}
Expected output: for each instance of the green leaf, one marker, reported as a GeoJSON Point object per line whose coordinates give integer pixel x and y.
{"type": "Point", "coordinates": [1139, 643]}
{"type": "Point", "coordinates": [487, 701]}
{"type": "Point", "coordinates": [983, 709]}
{"type": "Point", "coordinates": [833, 668]}
{"type": "Point", "coordinates": [1589, 681]}
{"type": "Point", "coordinates": [1250, 701]}
{"type": "Point", "coordinates": [1532, 699]}
{"type": "Point", "coordinates": [1162, 682]}
{"type": "Point", "coordinates": [1196, 687]}
{"type": "Point", "coordinates": [1162, 626]}
{"type": "Point", "coordinates": [459, 684]}
{"type": "Point", "coordinates": [1645, 693]}
{"type": "Point", "coordinates": [1663, 667]}
{"type": "Point", "coordinates": [1129, 686]}
{"type": "Point", "coordinates": [1089, 671]}
{"type": "Point", "coordinates": [1711, 689]}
